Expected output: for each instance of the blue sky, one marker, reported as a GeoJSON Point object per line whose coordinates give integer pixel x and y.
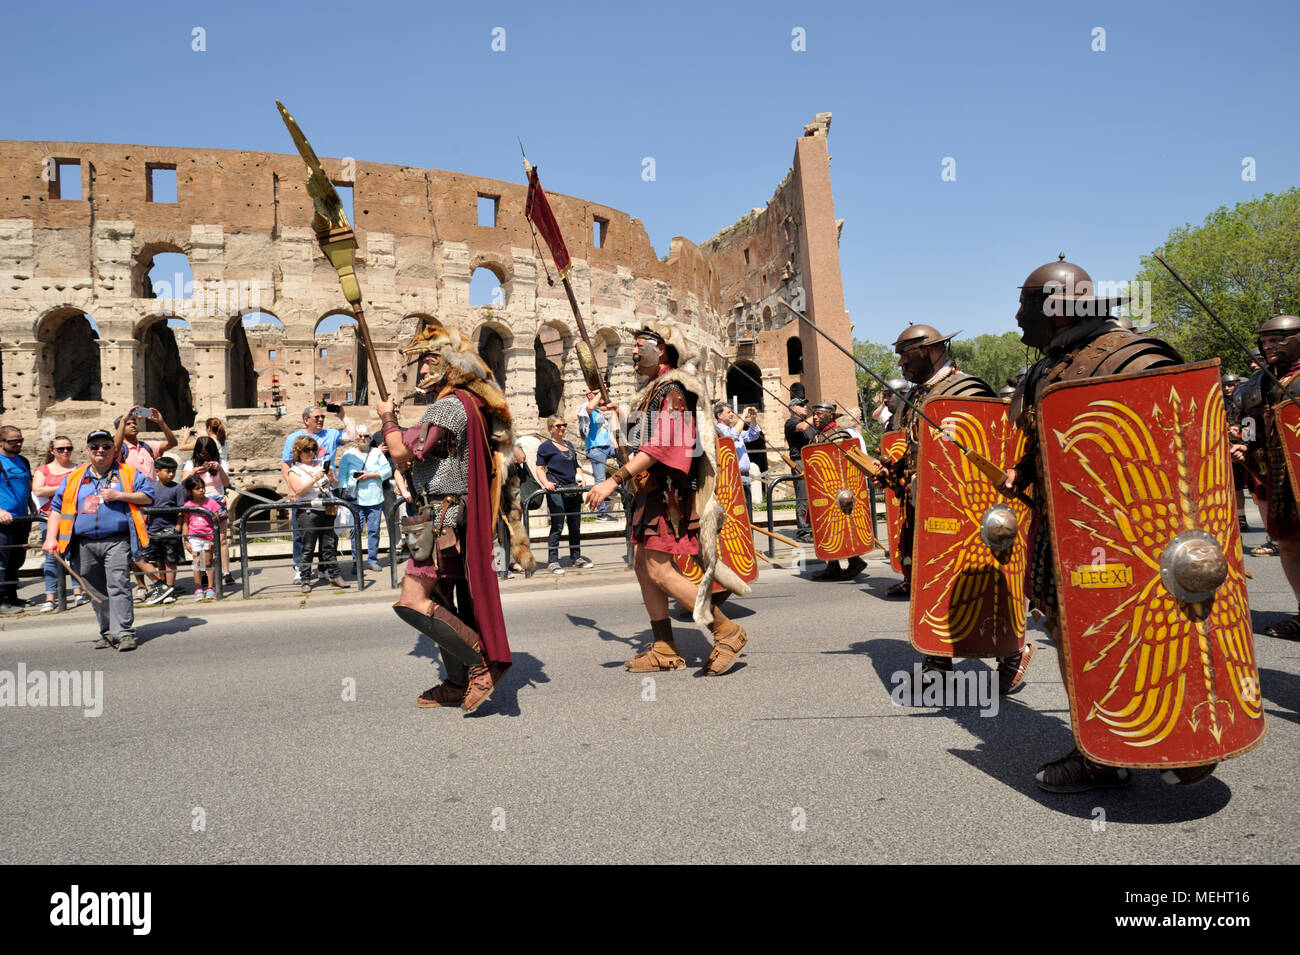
{"type": "Point", "coordinates": [1058, 147]}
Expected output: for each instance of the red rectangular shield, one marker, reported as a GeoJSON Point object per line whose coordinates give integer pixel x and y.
{"type": "Point", "coordinates": [1134, 465]}
{"type": "Point", "coordinates": [837, 534]}
{"type": "Point", "coordinates": [893, 445]}
{"type": "Point", "coordinates": [967, 599]}
{"type": "Point", "coordinates": [735, 537]}
{"type": "Point", "coordinates": [1287, 416]}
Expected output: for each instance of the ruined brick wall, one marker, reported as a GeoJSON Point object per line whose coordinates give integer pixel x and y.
{"type": "Point", "coordinates": [788, 250]}
{"type": "Point", "coordinates": [243, 219]}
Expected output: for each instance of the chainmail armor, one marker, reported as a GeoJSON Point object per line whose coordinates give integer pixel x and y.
{"type": "Point", "coordinates": [439, 475]}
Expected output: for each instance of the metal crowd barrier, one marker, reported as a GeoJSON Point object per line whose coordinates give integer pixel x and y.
{"type": "Point", "coordinates": [296, 506]}
{"type": "Point", "coordinates": [39, 518]}
{"type": "Point", "coordinates": [218, 568]}
{"type": "Point", "coordinates": [575, 489]}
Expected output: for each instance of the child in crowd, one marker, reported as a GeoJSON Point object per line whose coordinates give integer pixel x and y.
{"type": "Point", "coordinates": [198, 532]}
{"type": "Point", "coordinates": [159, 558]}
{"type": "Point", "coordinates": [208, 462]}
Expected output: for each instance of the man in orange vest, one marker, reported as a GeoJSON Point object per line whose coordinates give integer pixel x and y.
{"type": "Point", "coordinates": [98, 507]}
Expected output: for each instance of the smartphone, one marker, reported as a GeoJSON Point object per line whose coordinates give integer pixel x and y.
{"type": "Point", "coordinates": [142, 413]}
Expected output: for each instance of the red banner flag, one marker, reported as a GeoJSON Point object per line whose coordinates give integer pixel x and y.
{"type": "Point", "coordinates": [538, 211]}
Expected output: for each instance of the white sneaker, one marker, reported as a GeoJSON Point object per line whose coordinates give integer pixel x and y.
{"type": "Point", "coordinates": [81, 599]}
{"type": "Point", "coordinates": [47, 607]}
{"type": "Point", "coordinates": [556, 569]}
{"type": "Point", "coordinates": [297, 575]}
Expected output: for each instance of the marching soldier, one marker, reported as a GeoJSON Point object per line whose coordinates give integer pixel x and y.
{"type": "Point", "coordinates": [923, 356]}
{"type": "Point", "coordinates": [826, 429]}
{"type": "Point", "coordinates": [672, 472]}
{"type": "Point", "coordinates": [1134, 555]}
{"type": "Point", "coordinates": [456, 456]}
{"type": "Point", "coordinates": [1258, 444]}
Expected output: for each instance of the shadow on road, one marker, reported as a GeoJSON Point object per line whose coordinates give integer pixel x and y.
{"type": "Point", "coordinates": [1283, 689]}
{"type": "Point", "coordinates": [163, 628]}
{"type": "Point", "coordinates": [1259, 619]}
{"type": "Point", "coordinates": [526, 672]}
{"type": "Point", "coordinates": [1012, 746]}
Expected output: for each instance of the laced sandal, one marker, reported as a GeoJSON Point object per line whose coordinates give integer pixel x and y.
{"type": "Point", "coordinates": [661, 654]}
{"type": "Point", "coordinates": [446, 693]}
{"type": "Point", "coordinates": [1267, 549]}
{"type": "Point", "coordinates": [483, 680]}
{"type": "Point", "coordinates": [1075, 773]}
{"type": "Point", "coordinates": [1011, 669]}
{"type": "Point", "coordinates": [725, 650]}
{"type": "Point", "coordinates": [901, 589]}
{"type": "Point", "coordinates": [1286, 630]}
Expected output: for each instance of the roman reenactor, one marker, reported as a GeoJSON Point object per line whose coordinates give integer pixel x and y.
{"type": "Point", "coordinates": [1135, 553]}
{"type": "Point", "coordinates": [826, 429]}
{"type": "Point", "coordinates": [1265, 448]}
{"type": "Point", "coordinates": [672, 470]}
{"type": "Point", "coordinates": [456, 457]}
{"type": "Point", "coordinates": [925, 360]}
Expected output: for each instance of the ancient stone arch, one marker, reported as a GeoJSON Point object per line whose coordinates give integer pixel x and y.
{"type": "Point", "coordinates": [68, 357]}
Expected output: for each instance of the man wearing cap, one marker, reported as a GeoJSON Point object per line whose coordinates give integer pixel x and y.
{"type": "Point", "coordinates": [672, 470]}
{"type": "Point", "coordinates": [364, 467]}
{"type": "Point", "coordinates": [95, 514]}
{"type": "Point", "coordinates": [798, 432]}
{"type": "Point", "coordinates": [826, 428]}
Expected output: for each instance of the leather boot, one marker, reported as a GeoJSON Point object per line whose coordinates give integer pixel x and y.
{"type": "Point", "coordinates": [729, 638]}
{"type": "Point", "coordinates": [661, 654]}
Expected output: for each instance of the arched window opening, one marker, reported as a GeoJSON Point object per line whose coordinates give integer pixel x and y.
{"type": "Point", "coordinates": [335, 353]}
{"type": "Point", "coordinates": [168, 358]}
{"type": "Point", "coordinates": [74, 348]}
{"type": "Point", "coordinates": [741, 378]}
{"type": "Point", "coordinates": [256, 339]}
{"type": "Point", "coordinates": [168, 275]}
{"type": "Point", "coordinates": [492, 349]}
{"type": "Point", "coordinates": [794, 355]}
{"type": "Point", "coordinates": [486, 288]}
{"type": "Point", "coordinates": [548, 350]}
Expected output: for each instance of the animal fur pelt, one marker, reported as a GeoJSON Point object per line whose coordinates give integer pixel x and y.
{"type": "Point", "coordinates": [706, 502]}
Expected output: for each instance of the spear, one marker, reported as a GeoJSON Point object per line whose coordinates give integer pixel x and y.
{"type": "Point", "coordinates": [994, 474]}
{"type": "Point", "coordinates": [337, 240]}
{"type": "Point", "coordinates": [1268, 375]}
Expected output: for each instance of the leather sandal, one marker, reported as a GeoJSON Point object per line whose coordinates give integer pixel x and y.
{"type": "Point", "coordinates": [1267, 549]}
{"type": "Point", "coordinates": [901, 589]}
{"type": "Point", "coordinates": [446, 693]}
{"type": "Point", "coordinates": [1011, 669]}
{"type": "Point", "coordinates": [661, 654]}
{"type": "Point", "coordinates": [1286, 630]}
{"type": "Point", "coordinates": [725, 650]}
{"type": "Point", "coordinates": [1075, 773]}
{"type": "Point", "coordinates": [483, 679]}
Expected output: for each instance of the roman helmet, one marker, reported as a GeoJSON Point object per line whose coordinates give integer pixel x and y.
{"type": "Point", "coordinates": [916, 335]}
{"type": "Point", "coordinates": [1285, 325]}
{"type": "Point", "coordinates": [1057, 295]}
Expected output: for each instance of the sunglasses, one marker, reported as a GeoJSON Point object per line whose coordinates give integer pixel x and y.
{"type": "Point", "coordinates": [101, 447]}
{"type": "Point", "coordinates": [12, 440]}
{"type": "Point", "coordinates": [60, 450]}
{"type": "Point", "coordinates": [560, 426]}
{"type": "Point", "coordinates": [318, 417]}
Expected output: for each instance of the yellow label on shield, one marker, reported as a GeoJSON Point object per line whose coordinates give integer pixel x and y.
{"type": "Point", "coordinates": [1102, 576]}
{"type": "Point", "coordinates": [943, 525]}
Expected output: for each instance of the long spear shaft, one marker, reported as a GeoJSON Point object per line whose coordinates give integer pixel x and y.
{"type": "Point", "coordinates": [1272, 379]}
{"type": "Point", "coordinates": [336, 237]}
{"type": "Point", "coordinates": [994, 474]}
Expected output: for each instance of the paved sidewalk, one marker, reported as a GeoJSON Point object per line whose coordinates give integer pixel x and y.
{"type": "Point", "coordinates": [270, 576]}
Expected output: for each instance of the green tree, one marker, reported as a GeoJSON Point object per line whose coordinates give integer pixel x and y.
{"type": "Point", "coordinates": [995, 358]}
{"type": "Point", "coordinates": [1244, 262]}
{"type": "Point", "coordinates": [880, 359]}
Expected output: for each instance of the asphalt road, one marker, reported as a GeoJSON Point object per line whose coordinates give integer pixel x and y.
{"type": "Point", "coordinates": [239, 722]}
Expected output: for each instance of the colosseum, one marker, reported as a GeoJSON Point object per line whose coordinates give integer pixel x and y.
{"type": "Point", "coordinates": [263, 330]}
